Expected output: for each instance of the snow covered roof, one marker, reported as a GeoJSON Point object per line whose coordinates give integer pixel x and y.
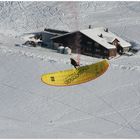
{"type": "Point", "coordinates": [55, 31]}
{"type": "Point", "coordinates": [104, 38]}
{"type": "Point", "coordinates": [107, 37]}
{"type": "Point", "coordinates": [63, 35]}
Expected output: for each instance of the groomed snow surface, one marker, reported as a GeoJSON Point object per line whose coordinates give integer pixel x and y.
{"type": "Point", "coordinates": [108, 107]}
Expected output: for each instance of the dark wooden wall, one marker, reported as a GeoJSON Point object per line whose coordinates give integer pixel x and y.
{"type": "Point", "coordinates": [79, 43]}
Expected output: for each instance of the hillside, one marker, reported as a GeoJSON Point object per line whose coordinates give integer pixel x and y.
{"type": "Point", "coordinates": [107, 107]}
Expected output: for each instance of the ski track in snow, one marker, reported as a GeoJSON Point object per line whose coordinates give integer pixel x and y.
{"type": "Point", "coordinates": [29, 54]}
{"type": "Point", "coordinates": [125, 125]}
{"type": "Point", "coordinates": [50, 59]}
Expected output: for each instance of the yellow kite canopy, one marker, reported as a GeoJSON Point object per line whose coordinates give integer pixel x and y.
{"type": "Point", "coordinates": [76, 76]}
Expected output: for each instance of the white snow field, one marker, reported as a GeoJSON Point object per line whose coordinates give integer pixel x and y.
{"type": "Point", "coordinates": [108, 107]}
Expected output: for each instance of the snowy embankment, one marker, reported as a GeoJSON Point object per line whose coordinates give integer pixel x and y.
{"type": "Point", "coordinates": [108, 107]}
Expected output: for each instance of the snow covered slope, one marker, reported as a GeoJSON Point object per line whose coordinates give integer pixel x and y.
{"type": "Point", "coordinates": [108, 107]}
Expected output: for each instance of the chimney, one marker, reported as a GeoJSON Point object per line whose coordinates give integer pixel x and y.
{"type": "Point", "coordinates": [101, 35]}
{"type": "Point", "coordinates": [106, 29]}
{"type": "Point", "coordinates": [89, 26]}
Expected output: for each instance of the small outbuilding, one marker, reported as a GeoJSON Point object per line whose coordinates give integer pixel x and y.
{"type": "Point", "coordinates": [98, 42]}
{"type": "Point", "coordinates": [48, 33]}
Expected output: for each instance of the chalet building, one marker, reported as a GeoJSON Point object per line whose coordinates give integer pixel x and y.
{"type": "Point", "coordinates": [98, 42]}
{"type": "Point", "coordinates": [48, 33]}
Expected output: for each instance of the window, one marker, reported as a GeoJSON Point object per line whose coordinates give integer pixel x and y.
{"type": "Point", "coordinates": [89, 42]}
{"type": "Point", "coordinates": [88, 49]}
{"type": "Point", "coordinates": [97, 50]}
{"type": "Point", "coordinates": [105, 51]}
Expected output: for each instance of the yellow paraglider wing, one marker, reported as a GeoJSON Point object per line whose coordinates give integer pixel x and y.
{"type": "Point", "coordinates": [76, 76]}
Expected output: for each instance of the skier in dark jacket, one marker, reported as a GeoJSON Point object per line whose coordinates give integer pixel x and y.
{"type": "Point", "coordinates": [74, 63]}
